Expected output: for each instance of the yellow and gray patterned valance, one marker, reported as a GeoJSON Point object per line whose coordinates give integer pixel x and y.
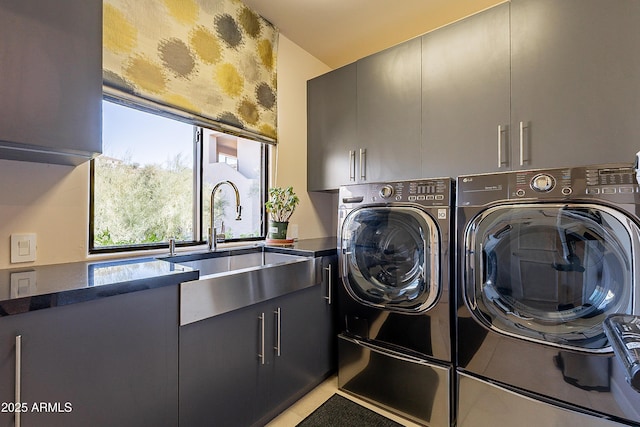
{"type": "Point", "coordinates": [211, 59]}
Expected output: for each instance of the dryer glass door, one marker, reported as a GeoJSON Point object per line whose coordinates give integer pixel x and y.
{"type": "Point", "coordinates": [550, 272]}
{"type": "Point", "coordinates": [391, 258]}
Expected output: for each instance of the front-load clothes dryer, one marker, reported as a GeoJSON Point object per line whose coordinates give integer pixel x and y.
{"type": "Point", "coordinates": [544, 256]}
{"type": "Point", "coordinates": [395, 311]}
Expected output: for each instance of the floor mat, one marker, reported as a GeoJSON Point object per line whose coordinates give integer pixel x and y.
{"type": "Point", "coordinates": [339, 411]}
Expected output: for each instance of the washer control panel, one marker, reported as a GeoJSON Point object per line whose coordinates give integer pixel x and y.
{"type": "Point", "coordinates": [426, 192]}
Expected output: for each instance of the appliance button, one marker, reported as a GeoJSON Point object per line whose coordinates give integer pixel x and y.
{"type": "Point", "coordinates": [439, 197]}
{"type": "Point", "coordinates": [430, 197]}
{"type": "Point", "coordinates": [609, 190]}
{"type": "Point", "coordinates": [593, 191]}
{"type": "Point", "coordinates": [421, 197]}
{"type": "Point", "coordinates": [520, 192]}
{"type": "Point", "coordinates": [625, 190]}
{"type": "Point", "coordinates": [566, 191]}
{"type": "Point", "coordinates": [398, 198]}
{"type": "Point", "coordinates": [412, 198]}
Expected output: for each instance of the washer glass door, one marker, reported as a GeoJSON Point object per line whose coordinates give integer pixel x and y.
{"type": "Point", "coordinates": [550, 272]}
{"type": "Point", "coordinates": [390, 258]}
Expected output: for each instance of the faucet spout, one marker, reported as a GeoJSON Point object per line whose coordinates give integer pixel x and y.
{"type": "Point", "coordinates": [213, 238]}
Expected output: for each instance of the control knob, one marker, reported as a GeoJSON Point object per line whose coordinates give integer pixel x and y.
{"type": "Point", "coordinates": [543, 183]}
{"type": "Point", "coordinates": [386, 191]}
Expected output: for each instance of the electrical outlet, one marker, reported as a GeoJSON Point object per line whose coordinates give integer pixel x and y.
{"type": "Point", "coordinates": [23, 248]}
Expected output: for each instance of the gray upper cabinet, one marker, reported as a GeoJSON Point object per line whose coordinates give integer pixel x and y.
{"type": "Point", "coordinates": [51, 85]}
{"type": "Point", "coordinates": [465, 102]}
{"type": "Point", "coordinates": [364, 120]}
{"type": "Point", "coordinates": [525, 84]}
{"type": "Point", "coordinates": [575, 74]}
{"type": "Point", "coordinates": [558, 86]}
{"type": "Point", "coordinates": [389, 126]}
{"type": "Point", "coordinates": [331, 129]}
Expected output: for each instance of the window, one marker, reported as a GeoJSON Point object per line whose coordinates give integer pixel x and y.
{"type": "Point", "coordinates": [153, 182]}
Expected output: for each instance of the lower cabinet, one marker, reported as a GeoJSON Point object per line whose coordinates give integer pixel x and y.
{"type": "Point", "coordinates": [107, 362]}
{"type": "Point", "coordinates": [244, 367]}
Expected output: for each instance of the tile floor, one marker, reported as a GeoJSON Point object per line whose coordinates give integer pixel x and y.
{"type": "Point", "coordinates": [316, 397]}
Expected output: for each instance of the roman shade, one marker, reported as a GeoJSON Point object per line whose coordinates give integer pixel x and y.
{"type": "Point", "coordinates": [212, 62]}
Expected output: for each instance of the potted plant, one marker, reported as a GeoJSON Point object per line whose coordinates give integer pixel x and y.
{"type": "Point", "coordinates": [281, 204]}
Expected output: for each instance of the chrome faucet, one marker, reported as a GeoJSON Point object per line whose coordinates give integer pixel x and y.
{"type": "Point", "coordinates": [213, 233]}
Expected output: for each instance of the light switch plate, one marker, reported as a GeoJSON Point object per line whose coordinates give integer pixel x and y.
{"type": "Point", "coordinates": [23, 248]}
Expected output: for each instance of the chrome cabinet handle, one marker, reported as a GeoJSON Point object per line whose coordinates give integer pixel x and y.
{"type": "Point", "coordinates": [363, 164]}
{"type": "Point", "coordinates": [352, 165]}
{"type": "Point", "coordinates": [18, 388]}
{"type": "Point", "coordinates": [522, 128]}
{"type": "Point", "coordinates": [329, 284]}
{"type": "Point", "coordinates": [278, 314]}
{"type": "Point", "coordinates": [261, 354]}
{"type": "Point", "coordinates": [501, 131]}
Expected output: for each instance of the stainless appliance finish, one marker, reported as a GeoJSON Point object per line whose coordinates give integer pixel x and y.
{"type": "Point", "coordinates": [232, 282]}
{"type": "Point", "coordinates": [484, 403]}
{"type": "Point", "coordinates": [395, 312]}
{"type": "Point", "coordinates": [544, 256]}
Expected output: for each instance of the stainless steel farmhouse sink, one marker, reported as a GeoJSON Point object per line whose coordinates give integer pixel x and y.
{"type": "Point", "coordinates": [234, 280]}
{"type": "Point", "coordinates": [231, 262]}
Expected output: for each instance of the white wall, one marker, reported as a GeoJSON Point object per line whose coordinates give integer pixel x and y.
{"type": "Point", "coordinates": [49, 200]}
{"type": "Point", "coordinates": [316, 216]}
{"type": "Point", "coordinates": [53, 201]}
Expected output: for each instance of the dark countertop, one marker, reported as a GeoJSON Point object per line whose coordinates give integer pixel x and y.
{"type": "Point", "coordinates": [26, 289]}
{"type": "Point", "coordinates": [325, 246]}
{"type": "Point", "coordinates": [34, 288]}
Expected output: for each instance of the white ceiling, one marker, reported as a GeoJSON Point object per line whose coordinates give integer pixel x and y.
{"type": "Point", "coordinates": [339, 32]}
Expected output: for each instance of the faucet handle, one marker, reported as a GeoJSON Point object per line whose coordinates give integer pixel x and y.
{"type": "Point", "coordinates": [239, 213]}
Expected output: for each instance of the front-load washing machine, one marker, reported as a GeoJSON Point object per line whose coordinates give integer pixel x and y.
{"type": "Point", "coordinates": [544, 256]}
{"type": "Point", "coordinates": [394, 256]}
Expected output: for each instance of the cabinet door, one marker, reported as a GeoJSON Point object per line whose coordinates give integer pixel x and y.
{"type": "Point", "coordinates": [331, 129]}
{"type": "Point", "coordinates": [7, 373]}
{"type": "Point", "coordinates": [575, 73]}
{"type": "Point", "coordinates": [301, 361]}
{"type": "Point", "coordinates": [51, 86]}
{"type": "Point", "coordinates": [108, 362]}
{"type": "Point", "coordinates": [218, 372]}
{"type": "Point", "coordinates": [465, 95]}
{"type": "Point", "coordinates": [389, 101]}
{"type": "Point", "coordinates": [328, 315]}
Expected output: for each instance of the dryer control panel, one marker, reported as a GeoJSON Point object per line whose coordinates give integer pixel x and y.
{"type": "Point", "coordinates": [614, 182]}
